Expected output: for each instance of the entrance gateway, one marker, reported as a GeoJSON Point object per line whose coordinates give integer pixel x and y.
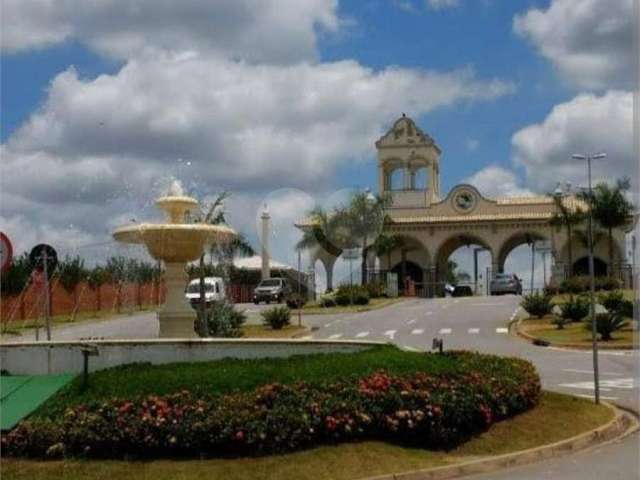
{"type": "Point", "coordinates": [432, 225]}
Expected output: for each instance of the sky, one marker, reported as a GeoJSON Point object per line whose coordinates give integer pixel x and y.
{"type": "Point", "coordinates": [282, 100]}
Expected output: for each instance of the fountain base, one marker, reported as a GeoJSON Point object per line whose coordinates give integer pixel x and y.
{"type": "Point", "coordinates": [176, 318]}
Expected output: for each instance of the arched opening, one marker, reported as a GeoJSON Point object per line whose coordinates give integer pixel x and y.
{"type": "Point", "coordinates": [464, 260]}
{"type": "Point", "coordinates": [409, 269]}
{"type": "Point", "coordinates": [527, 255]}
{"type": "Point", "coordinates": [581, 267]}
{"type": "Point", "coordinates": [421, 179]}
{"type": "Point", "coordinates": [396, 179]}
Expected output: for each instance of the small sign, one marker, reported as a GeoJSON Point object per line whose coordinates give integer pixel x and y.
{"type": "Point", "coordinates": [41, 252]}
{"type": "Point", "coordinates": [6, 252]}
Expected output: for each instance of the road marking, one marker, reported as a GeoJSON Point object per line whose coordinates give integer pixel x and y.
{"type": "Point", "coordinates": [417, 331]}
{"type": "Point", "coordinates": [429, 313]}
{"type": "Point", "coordinates": [335, 336]}
{"type": "Point", "coordinates": [590, 372]}
{"type": "Point", "coordinates": [502, 330]}
{"type": "Point", "coordinates": [445, 331]}
{"type": "Point", "coordinates": [362, 334]}
{"type": "Point", "coordinates": [308, 337]}
{"type": "Point", "coordinates": [487, 304]}
{"type": "Point", "coordinates": [411, 322]}
{"type": "Point", "coordinates": [605, 385]}
{"type": "Point", "coordinates": [474, 331]}
{"type": "Point", "coordinates": [390, 333]}
{"type": "Point", "coordinates": [327, 325]}
{"type": "Point", "coordinates": [410, 349]}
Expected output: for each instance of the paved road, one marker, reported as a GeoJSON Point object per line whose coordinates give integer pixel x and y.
{"type": "Point", "coordinates": [477, 323]}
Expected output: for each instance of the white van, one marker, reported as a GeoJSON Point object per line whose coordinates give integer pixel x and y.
{"type": "Point", "coordinates": [214, 291]}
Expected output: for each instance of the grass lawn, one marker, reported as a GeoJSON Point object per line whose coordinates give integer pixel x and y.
{"type": "Point", "coordinates": [557, 417]}
{"type": "Point", "coordinates": [575, 333]}
{"type": "Point", "coordinates": [315, 309]}
{"type": "Point", "coordinates": [230, 375]}
{"type": "Point", "coordinates": [261, 331]}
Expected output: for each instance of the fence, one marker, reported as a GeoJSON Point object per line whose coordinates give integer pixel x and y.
{"type": "Point", "coordinates": [107, 297]}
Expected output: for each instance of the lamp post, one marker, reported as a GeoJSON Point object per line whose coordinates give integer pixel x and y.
{"type": "Point", "coordinates": [370, 202]}
{"type": "Point", "coordinates": [594, 336]}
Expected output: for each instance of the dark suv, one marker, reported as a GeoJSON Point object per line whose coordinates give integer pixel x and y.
{"type": "Point", "coordinates": [271, 290]}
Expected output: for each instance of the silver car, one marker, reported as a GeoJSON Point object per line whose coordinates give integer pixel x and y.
{"type": "Point", "coordinates": [503, 283]}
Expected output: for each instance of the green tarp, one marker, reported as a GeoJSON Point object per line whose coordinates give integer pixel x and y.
{"type": "Point", "coordinates": [21, 395]}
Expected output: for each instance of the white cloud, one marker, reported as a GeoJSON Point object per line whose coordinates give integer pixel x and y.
{"type": "Point", "coordinates": [279, 31]}
{"type": "Point", "coordinates": [590, 42]}
{"type": "Point", "coordinates": [586, 124]}
{"type": "Point", "coordinates": [494, 181]}
{"type": "Point", "coordinates": [441, 4]}
{"type": "Point", "coordinates": [98, 149]}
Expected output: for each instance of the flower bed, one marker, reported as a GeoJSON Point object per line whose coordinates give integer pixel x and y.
{"type": "Point", "coordinates": [433, 411]}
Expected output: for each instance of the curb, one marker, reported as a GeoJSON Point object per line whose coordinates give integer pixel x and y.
{"type": "Point", "coordinates": [623, 424]}
{"type": "Point", "coordinates": [516, 330]}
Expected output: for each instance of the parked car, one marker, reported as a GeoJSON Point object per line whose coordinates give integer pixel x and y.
{"type": "Point", "coordinates": [462, 291]}
{"type": "Point", "coordinates": [271, 290]}
{"type": "Point", "coordinates": [503, 283]}
{"type": "Point", "coordinates": [214, 291]}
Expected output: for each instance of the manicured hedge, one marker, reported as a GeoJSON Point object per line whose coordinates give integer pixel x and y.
{"type": "Point", "coordinates": [418, 408]}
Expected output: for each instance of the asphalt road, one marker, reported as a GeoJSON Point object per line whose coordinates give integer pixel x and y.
{"type": "Point", "coordinates": [476, 323]}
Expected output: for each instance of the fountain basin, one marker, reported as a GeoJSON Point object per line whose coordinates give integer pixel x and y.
{"type": "Point", "coordinates": [175, 242]}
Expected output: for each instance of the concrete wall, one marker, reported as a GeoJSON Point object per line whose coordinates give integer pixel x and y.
{"type": "Point", "coordinates": [41, 358]}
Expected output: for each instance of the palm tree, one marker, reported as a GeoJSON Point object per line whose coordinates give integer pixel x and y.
{"type": "Point", "coordinates": [325, 231]}
{"type": "Point", "coordinates": [611, 209]}
{"type": "Point", "coordinates": [568, 217]}
{"type": "Point", "coordinates": [364, 218]}
{"type": "Point", "coordinates": [386, 244]}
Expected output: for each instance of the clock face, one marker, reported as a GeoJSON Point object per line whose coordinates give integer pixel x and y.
{"type": "Point", "coordinates": [464, 201]}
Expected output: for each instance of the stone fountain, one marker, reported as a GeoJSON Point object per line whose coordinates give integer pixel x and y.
{"type": "Point", "coordinates": [176, 243]}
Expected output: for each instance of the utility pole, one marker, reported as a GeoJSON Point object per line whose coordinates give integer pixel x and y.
{"type": "Point", "coordinates": [47, 311]}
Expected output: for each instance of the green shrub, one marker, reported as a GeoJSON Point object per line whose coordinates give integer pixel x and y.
{"type": "Point", "coordinates": [626, 309]}
{"type": "Point", "coordinates": [16, 277]}
{"type": "Point", "coordinates": [347, 294]}
{"type": "Point", "coordinates": [295, 301]}
{"type": "Point", "coordinates": [612, 301]}
{"type": "Point", "coordinates": [606, 324]}
{"type": "Point", "coordinates": [537, 304]}
{"type": "Point", "coordinates": [71, 272]}
{"type": "Point", "coordinates": [222, 320]}
{"type": "Point", "coordinates": [276, 317]}
{"type": "Point", "coordinates": [376, 289]}
{"type": "Point", "coordinates": [560, 322]}
{"type": "Point", "coordinates": [580, 284]}
{"type": "Point", "coordinates": [418, 409]}
{"type": "Point", "coordinates": [328, 300]}
{"type": "Point", "coordinates": [575, 309]}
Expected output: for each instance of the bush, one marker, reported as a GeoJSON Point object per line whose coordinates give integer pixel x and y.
{"type": "Point", "coordinates": [560, 322]}
{"type": "Point", "coordinates": [222, 320]}
{"type": "Point", "coordinates": [418, 409]}
{"type": "Point", "coordinates": [612, 301]}
{"type": "Point", "coordinates": [328, 300]}
{"type": "Point", "coordinates": [295, 301]}
{"type": "Point", "coordinates": [575, 309]}
{"type": "Point", "coordinates": [346, 294]}
{"type": "Point", "coordinates": [276, 317]}
{"type": "Point", "coordinates": [606, 324]}
{"type": "Point", "coordinates": [580, 284]}
{"type": "Point", "coordinates": [626, 309]}
{"type": "Point", "coordinates": [376, 289]}
{"type": "Point", "coordinates": [537, 304]}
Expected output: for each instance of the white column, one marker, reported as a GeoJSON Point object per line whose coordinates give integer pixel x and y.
{"type": "Point", "coordinates": [266, 273]}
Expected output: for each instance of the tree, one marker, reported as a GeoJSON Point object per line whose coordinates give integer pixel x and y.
{"type": "Point", "coordinates": [451, 275]}
{"type": "Point", "coordinates": [364, 217]}
{"type": "Point", "coordinates": [71, 272]}
{"type": "Point", "coordinates": [386, 244]}
{"type": "Point", "coordinates": [611, 209]}
{"type": "Point", "coordinates": [567, 217]}
{"type": "Point", "coordinates": [16, 278]}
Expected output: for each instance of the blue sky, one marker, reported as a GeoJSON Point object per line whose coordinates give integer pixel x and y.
{"type": "Point", "coordinates": [257, 96]}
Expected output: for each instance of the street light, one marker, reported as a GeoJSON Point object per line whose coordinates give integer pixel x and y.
{"type": "Point", "coordinates": [594, 337]}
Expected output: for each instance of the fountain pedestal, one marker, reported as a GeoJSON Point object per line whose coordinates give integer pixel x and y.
{"type": "Point", "coordinates": [177, 316]}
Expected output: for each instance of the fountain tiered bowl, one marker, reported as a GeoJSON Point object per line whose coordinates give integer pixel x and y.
{"type": "Point", "coordinates": [176, 243]}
